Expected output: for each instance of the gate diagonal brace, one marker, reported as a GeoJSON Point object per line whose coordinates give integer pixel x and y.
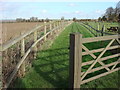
{"type": "Point", "coordinates": [118, 41]}
{"type": "Point", "coordinates": [98, 58]}
{"type": "Point", "coordinates": [116, 64]}
{"type": "Point", "coordinates": [87, 50]}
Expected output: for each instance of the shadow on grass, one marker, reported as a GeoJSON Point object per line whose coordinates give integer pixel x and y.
{"type": "Point", "coordinates": [52, 66]}
{"type": "Point", "coordinates": [20, 84]}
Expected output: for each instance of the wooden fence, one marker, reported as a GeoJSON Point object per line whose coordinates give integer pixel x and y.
{"type": "Point", "coordinates": [96, 32]}
{"type": "Point", "coordinates": [16, 51]}
{"type": "Point", "coordinates": [78, 77]}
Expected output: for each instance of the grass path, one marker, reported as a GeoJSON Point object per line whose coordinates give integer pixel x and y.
{"type": "Point", "coordinates": [51, 69]}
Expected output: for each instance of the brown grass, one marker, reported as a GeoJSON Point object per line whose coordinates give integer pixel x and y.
{"type": "Point", "coordinates": [12, 30]}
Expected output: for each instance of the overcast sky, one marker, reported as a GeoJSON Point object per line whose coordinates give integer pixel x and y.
{"type": "Point", "coordinates": [12, 10]}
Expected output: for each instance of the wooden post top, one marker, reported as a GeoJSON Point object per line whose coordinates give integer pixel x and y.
{"type": "Point", "coordinates": [76, 33]}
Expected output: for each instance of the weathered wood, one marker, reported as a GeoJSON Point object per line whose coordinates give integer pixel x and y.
{"type": "Point", "coordinates": [73, 69]}
{"type": "Point", "coordinates": [22, 68]}
{"type": "Point", "coordinates": [116, 64]}
{"type": "Point", "coordinates": [50, 28]}
{"type": "Point", "coordinates": [35, 48]}
{"type": "Point", "coordinates": [23, 59]}
{"type": "Point", "coordinates": [98, 76]}
{"type": "Point", "coordinates": [99, 50]}
{"type": "Point", "coordinates": [102, 30]}
{"type": "Point", "coordinates": [75, 60]}
{"type": "Point", "coordinates": [102, 67]}
{"type": "Point", "coordinates": [87, 50]}
{"type": "Point", "coordinates": [57, 30]}
{"type": "Point", "coordinates": [98, 58]}
{"type": "Point", "coordinates": [101, 59]}
{"type": "Point", "coordinates": [17, 39]}
{"type": "Point", "coordinates": [45, 28]}
{"type": "Point", "coordinates": [98, 26]}
{"type": "Point", "coordinates": [118, 40]}
{"type": "Point", "coordinates": [101, 38]}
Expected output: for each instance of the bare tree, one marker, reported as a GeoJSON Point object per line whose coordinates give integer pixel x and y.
{"type": "Point", "coordinates": [112, 14]}
{"type": "Point", "coordinates": [109, 13]}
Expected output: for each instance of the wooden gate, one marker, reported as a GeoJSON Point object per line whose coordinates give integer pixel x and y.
{"type": "Point", "coordinates": [77, 77]}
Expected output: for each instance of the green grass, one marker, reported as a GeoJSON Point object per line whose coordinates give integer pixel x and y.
{"type": "Point", "coordinates": [107, 25]}
{"type": "Point", "coordinates": [51, 68]}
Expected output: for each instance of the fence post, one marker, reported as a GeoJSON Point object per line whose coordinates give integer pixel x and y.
{"type": "Point", "coordinates": [59, 23]}
{"type": "Point", "coordinates": [35, 48]}
{"type": "Point", "coordinates": [102, 30]}
{"type": "Point", "coordinates": [54, 27]}
{"type": "Point", "coordinates": [22, 68]}
{"type": "Point", "coordinates": [98, 29]}
{"type": "Point", "coordinates": [45, 30]}
{"type": "Point", "coordinates": [50, 28]}
{"type": "Point", "coordinates": [75, 60]}
{"type": "Point", "coordinates": [57, 28]}
{"type": "Point", "coordinates": [62, 24]}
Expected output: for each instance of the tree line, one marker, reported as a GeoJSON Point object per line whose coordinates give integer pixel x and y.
{"type": "Point", "coordinates": [111, 14]}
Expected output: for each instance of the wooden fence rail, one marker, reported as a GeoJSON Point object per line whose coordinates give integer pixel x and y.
{"type": "Point", "coordinates": [102, 31]}
{"type": "Point", "coordinates": [54, 29]}
{"type": "Point", "coordinates": [77, 76]}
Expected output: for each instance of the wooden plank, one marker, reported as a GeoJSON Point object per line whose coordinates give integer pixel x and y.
{"type": "Point", "coordinates": [15, 40]}
{"type": "Point", "coordinates": [118, 41]}
{"type": "Point", "coordinates": [99, 50]}
{"type": "Point", "coordinates": [101, 59]}
{"type": "Point", "coordinates": [75, 60]}
{"type": "Point", "coordinates": [50, 28]}
{"type": "Point", "coordinates": [98, 26]}
{"type": "Point", "coordinates": [45, 28]}
{"type": "Point", "coordinates": [98, 58]}
{"type": "Point", "coordinates": [101, 38]}
{"type": "Point", "coordinates": [22, 68]}
{"type": "Point", "coordinates": [16, 68]}
{"type": "Point", "coordinates": [116, 64]}
{"type": "Point", "coordinates": [87, 50]}
{"type": "Point", "coordinates": [98, 76]}
{"type": "Point", "coordinates": [23, 59]}
{"type": "Point", "coordinates": [102, 67]}
{"type": "Point", "coordinates": [35, 48]}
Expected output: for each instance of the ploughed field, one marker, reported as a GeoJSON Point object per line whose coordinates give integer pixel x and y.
{"type": "Point", "coordinates": [12, 30]}
{"type": "Point", "coordinates": [51, 67]}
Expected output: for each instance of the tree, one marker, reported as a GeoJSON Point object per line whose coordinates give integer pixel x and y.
{"type": "Point", "coordinates": [117, 11]}
{"type": "Point", "coordinates": [103, 18]}
{"type": "Point", "coordinates": [99, 19]}
{"type": "Point", "coordinates": [112, 14]}
{"type": "Point", "coordinates": [74, 19]}
{"type": "Point", "coordinates": [62, 18]}
{"type": "Point", "coordinates": [118, 5]}
{"type": "Point", "coordinates": [109, 13]}
{"type": "Point", "coordinates": [47, 20]}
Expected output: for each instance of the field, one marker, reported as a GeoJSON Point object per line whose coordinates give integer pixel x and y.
{"type": "Point", "coordinates": [106, 25]}
{"type": "Point", "coordinates": [51, 68]}
{"type": "Point", "coordinates": [12, 30]}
